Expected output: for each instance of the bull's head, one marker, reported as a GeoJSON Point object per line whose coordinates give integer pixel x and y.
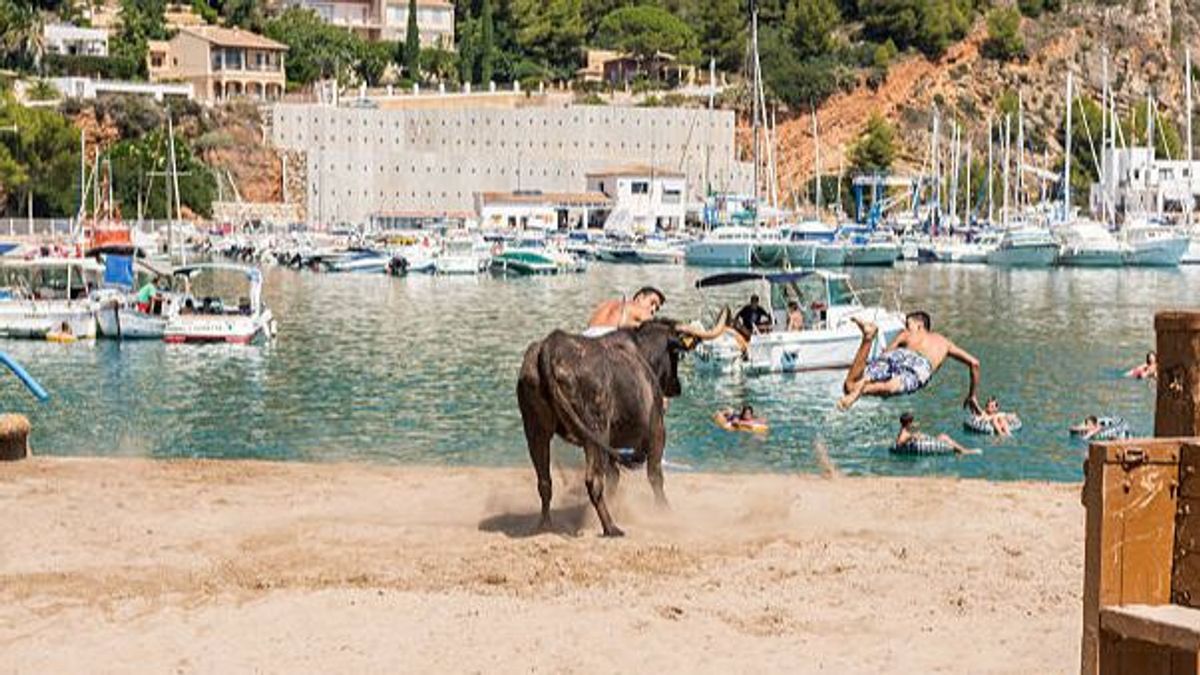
{"type": "Point", "coordinates": [663, 341]}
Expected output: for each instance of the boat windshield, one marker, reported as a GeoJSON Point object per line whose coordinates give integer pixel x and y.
{"type": "Point", "coordinates": [808, 291]}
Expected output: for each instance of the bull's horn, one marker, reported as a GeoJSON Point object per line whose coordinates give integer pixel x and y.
{"type": "Point", "coordinates": [711, 333]}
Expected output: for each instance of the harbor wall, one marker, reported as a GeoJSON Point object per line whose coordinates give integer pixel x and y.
{"type": "Point", "coordinates": [364, 162]}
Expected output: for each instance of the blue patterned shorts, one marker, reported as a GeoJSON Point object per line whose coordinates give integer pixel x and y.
{"type": "Point", "coordinates": [913, 369]}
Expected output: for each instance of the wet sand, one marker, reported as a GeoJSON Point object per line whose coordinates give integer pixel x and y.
{"type": "Point", "coordinates": [192, 566]}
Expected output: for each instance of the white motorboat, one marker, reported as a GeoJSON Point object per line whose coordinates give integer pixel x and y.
{"type": "Point", "coordinates": [122, 313]}
{"type": "Point", "coordinates": [208, 315]}
{"type": "Point", "coordinates": [1149, 244]}
{"type": "Point", "coordinates": [869, 248]}
{"type": "Point", "coordinates": [44, 297]}
{"type": "Point", "coordinates": [533, 255]}
{"type": "Point", "coordinates": [811, 243]}
{"type": "Point", "coordinates": [828, 339]}
{"type": "Point", "coordinates": [1025, 246]}
{"type": "Point", "coordinates": [1086, 243]}
{"type": "Point", "coordinates": [727, 246]}
{"type": "Point", "coordinates": [964, 252]}
{"type": "Point", "coordinates": [659, 251]}
{"type": "Point", "coordinates": [462, 255]}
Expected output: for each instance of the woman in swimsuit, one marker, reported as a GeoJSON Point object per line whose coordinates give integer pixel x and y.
{"type": "Point", "coordinates": [1148, 370]}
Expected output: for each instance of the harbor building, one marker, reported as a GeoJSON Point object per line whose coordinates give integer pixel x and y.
{"type": "Point", "coordinates": [1134, 181]}
{"type": "Point", "coordinates": [220, 63]}
{"type": "Point", "coordinates": [645, 198]}
{"type": "Point", "coordinates": [359, 163]}
{"type": "Point", "coordinates": [387, 19]}
{"type": "Point", "coordinates": [534, 209]}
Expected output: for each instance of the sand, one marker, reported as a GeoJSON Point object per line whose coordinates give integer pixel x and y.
{"type": "Point", "coordinates": [191, 566]}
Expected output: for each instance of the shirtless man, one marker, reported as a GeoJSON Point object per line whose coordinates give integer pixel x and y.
{"type": "Point", "coordinates": [907, 364]}
{"type": "Point", "coordinates": [613, 314]}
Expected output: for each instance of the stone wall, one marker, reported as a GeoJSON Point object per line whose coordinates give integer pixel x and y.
{"type": "Point", "coordinates": [361, 162]}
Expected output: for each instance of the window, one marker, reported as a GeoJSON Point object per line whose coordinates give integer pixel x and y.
{"type": "Point", "coordinates": [640, 187]}
{"type": "Point", "coordinates": [672, 196]}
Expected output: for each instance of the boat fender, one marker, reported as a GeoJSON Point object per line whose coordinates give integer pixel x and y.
{"type": "Point", "coordinates": [980, 425]}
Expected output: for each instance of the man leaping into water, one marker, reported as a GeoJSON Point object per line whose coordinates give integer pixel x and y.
{"type": "Point", "coordinates": [613, 314]}
{"type": "Point", "coordinates": [906, 365]}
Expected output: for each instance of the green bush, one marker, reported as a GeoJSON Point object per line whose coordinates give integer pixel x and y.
{"type": "Point", "coordinates": [1004, 42]}
{"type": "Point", "coordinates": [106, 68]}
{"type": "Point", "coordinates": [1031, 8]}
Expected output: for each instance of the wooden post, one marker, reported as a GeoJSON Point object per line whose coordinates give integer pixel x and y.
{"type": "Point", "coordinates": [1177, 413]}
{"type": "Point", "coordinates": [14, 437]}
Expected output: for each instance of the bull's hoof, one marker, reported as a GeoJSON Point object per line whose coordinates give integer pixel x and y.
{"type": "Point", "coordinates": [614, 531]}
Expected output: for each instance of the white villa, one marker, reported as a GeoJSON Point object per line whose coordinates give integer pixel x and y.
{"type": "Point", "coordinates": [645, 198]}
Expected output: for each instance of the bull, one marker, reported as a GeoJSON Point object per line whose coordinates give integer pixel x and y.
{"type": "Point", "coordinates": [602, 394]}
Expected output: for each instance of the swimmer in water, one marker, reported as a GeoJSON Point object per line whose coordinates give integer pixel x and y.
{"type": "Point", "coordinates": [1001, 421]}
{"type": "Point", "coordinates": [1148, 370]}
{"type": "Point", "coordinates": [1090, 427]}
{"type": "Point", "coordinates": [728, 418]}
{"type": "Point", "coordinates": [909, 434]}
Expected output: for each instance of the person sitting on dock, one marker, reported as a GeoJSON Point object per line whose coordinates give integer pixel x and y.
{"type": "Point", "coordinates": [795, 317]}
{"type": "Point", "coordinates": [907, 364]}
{"type": "Point", "coordinates": [1148, 370]}
{"type": "Point", "coordinates": [752, 318]}
{"type": "Point", "coordinates": [611, 315]}
{"type": "Point", "coordinates": [909, 435]}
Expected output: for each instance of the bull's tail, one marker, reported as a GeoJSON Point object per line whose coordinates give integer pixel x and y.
{"type": "Point", "coordinates": [572, 417]}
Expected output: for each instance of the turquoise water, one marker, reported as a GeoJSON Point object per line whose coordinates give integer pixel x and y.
{"type": "Point", "coordinates": [424, 370]}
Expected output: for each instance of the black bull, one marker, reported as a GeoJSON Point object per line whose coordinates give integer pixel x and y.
{"type": "Point", "coordinates": [602, 394]}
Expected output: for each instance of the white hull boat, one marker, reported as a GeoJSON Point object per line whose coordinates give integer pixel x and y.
{"type": "Point", "coordinates": [42, 296]}
{"type": "Point", "coordinates": [1089, 244]}
{"type": "Point", "coordinates": [1025, 247]}
{"type": "Point", "coordinates": [1151, 245]}
{"type": "Point", "coordinates": [212, 320]}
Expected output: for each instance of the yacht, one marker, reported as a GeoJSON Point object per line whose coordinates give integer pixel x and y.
{"type": "Point", "coordinates": [727, 246]}
{"type": "Point", "coordinates": [1026, 246]}
{"type": "Point", "coordinates": [865, 247]}
{"type": "Point", "coordinates": [1086, 243]}
{"type": "Point", "coordinates": [1150, 244]}
{"type": "Point", "coordinates": [968, 252]}
{"type": "Point", "coordinates": [461, 255]}
{"type": "Point", "coordinates": [811, 243]}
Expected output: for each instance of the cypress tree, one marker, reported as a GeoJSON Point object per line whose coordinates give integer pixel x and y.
{"type": "Point", "coordinates": [486, 47]}
{"type": "Point", "coordinates": [412, 43]}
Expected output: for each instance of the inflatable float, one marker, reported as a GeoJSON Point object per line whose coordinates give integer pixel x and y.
{"type": "Point", "coordinates": [734, 424]}
{"type": "Point", "coordinates": [980, 425]}
{"type": "Point", "coordinates": [923, 446]}
{"type": "Point", "coordinates": [1111, 429]}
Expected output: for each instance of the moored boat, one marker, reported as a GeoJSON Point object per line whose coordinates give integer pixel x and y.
{"type": "Point", "coordinates": [1025, 246]}
{"type": "Point", "coordinates": [43, 295]}
{"type": "Point", "coordinates": [1148, 244]}
{"type": "Point", "coordinates": [205, 316]}
{"type": "Point", "coordinates": [1086, 243]}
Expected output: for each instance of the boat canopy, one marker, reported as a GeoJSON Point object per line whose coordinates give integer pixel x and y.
{"type": "Point", "coordinates": [727, 278]}
{"type": "Point", "coordinates": [252, 274]}
{"type": "Point", "coordinates": [85, 264]}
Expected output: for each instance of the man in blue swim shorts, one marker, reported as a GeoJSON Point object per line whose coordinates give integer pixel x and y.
{"type": "Point", "coordinates": [907, 364]}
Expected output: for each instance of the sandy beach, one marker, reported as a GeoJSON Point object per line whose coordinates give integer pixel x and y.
{"type": "Point", "coordinates": [195, 566]}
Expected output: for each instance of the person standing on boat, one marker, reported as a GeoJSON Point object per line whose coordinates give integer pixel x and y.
{"type": "Point", "coordinates": [907, 365]}
{"type": "Point", "coordinates": [611, 315]}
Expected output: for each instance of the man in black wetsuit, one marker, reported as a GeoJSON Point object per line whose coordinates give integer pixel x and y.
{"type": "Point", "coordinates": [752, 318]}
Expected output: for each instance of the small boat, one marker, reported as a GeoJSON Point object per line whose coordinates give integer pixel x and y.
{"type": "Point", "coordinates": [39, 296]}
{"type": "Point", "coordinates": [967, 252]}
{"type": "Point", "coordinates": [659, 251]}
{"type": "Point", "coordinates": [1026, 246]}
{"type": "Point", "coordinates": [209, 318]}
{"type": "Point", "coordinates": [1148, 244]}
{"type": "Point", "coordinates": [461, 255]}
{"type": "Point", "coordinates": [1086, 243]}
{"type": "Point", "coordinates": [828, 340]}
{"type": "Point", "coordinates": [356, 261]}
{"type": "Point", "coordinates": [531, 255]}
{"type": "Point", "coordinates": [120, 314]}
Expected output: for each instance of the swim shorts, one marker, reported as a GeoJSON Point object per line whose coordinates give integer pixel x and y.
{"type": "Point", "coordinates": [913, 369]}
{"type": "Point", "coordinates": [598, 331]}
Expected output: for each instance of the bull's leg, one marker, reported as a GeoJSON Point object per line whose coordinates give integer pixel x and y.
{"type": "Point", "coordinates": [539, 453]}
{"type": "Point", "coordinates": [594, 479]}
{"type": "Point", "coordinates": [654, 461]}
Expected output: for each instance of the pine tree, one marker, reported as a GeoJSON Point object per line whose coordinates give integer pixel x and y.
{"type": "Point", "coordinates": [412, 43]}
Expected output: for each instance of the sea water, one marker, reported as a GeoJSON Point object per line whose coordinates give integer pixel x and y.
{"type": "Point", "coordinates": [423, 370]}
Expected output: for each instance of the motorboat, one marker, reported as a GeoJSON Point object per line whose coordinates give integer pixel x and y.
{"type": "Point", "coordinates": [353, 261]}
{"type": "Point", "coordinates": [867, 247]}
{"type": "Point", "coordinates": [646, 251]}
{"type": "Point", "coordinates": [1087, 243]}
{"type": "Point", "coordinates": [967, 251]}
{"type": "Point", "coordinates": [1025, 246]}
{"type": "Point", "coordinates": [531, 254]}
{"type": "Point", "coordinates": [829, 339]}
{"type": "Point", "coordinates": [726, 246]}
{"type": "Point", "coordinates": [122, 313]}
{"type": "Point", "coordinates": [461, 255]}
{"type": "Point", "coordinates": [1150, 244]}
{"type": "Point", "coordinates": [44, 296]}
{"type": "Point", "coordinates": [207, 315]}
{"type": "Point", "coordinates": [812, 243]}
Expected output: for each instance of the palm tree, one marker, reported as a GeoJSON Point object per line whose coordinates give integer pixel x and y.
{"type": "Point", "coordinates": [22, 42]}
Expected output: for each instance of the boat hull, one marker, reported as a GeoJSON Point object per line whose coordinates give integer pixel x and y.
{"type": "Point", "coordinates": [228, 328]}
{"type": "Point", "coordinates": [1090, 258]}
{"type": "Point", "coordinates": [35, 320]}
{"type": "Point", "coordinates": [460, 265]}
{"type": "Point", "coordinates": [1024, 256]}
{"type": "Point", "coordinates": [1192, 256]}
{"type": "Point", "coordinates": [123, 323]}
{"type": "Point", "coordinates": [872, 256]}
{"type": "Point", "coordinates": [1161, 253]}
{"type": "Point", "coordinates": [768, 255]}
{"type": "Point", "coordinates": [815, 254]}
{"type": "Point", "coordinates": [718, 254]}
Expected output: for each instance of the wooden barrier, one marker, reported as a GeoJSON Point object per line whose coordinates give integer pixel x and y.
{"type": "Point", "coordinates": [14, 437]}
{"type": "Point", "coordinates": [1142, 553]}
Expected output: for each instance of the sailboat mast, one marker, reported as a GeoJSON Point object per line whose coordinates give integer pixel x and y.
{"type": "Point", "coordinates": [991, 173]}
{"type": "Point", "coordinates": [967, 206]}
{"type": "Point", "coordinates": [1004, 170]}
{"type": "Point", "coordinates": [937, 176]}
{"type": "Point", "coordinates": [1020, 196]}
{"type": "Point", "coordinates": [817, 160]}
{"type": "Point", "coordinates": [1191, 199]}
{"type": "Point", "coordinates": [954, 174]}
{"type": "Point", "coordinates": [754, 97]}
{"type": "Point", "coordinates": [1067, 160]}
